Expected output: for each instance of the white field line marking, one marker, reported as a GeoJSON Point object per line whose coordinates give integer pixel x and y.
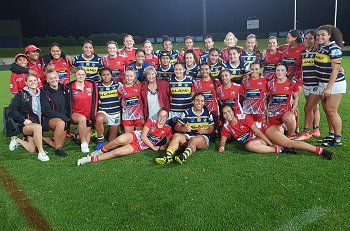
{"type": "Point", "coordinates": [306, 218]}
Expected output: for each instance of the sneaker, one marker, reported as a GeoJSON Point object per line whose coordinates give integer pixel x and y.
{"type": "Point", "coordinates": [43, 156]}
{"type": "Point", "coordinates": [99, 145]}
{"type": "Point", "coordinates": [325, 139]}
{"type": "Point", "coordinates": [96, 153]}
{"type": "Point", "coordinates": [316, 133]}
{"type": "Point", "coordinates": [163, 159]}
{"type": "Point", "coordinates": [332, 143]}
{"type": "Point", "coordinates": [304, 136]}
{"type": "Point", "coordinates": [327, 154]}
{"type": "Point", "coordinates": [84, 160]}
{"type": "Point", "coordinates": [180, 158]}
{"type": "Point", "coordinates": [84, 147]}
{"type": "Point", "coordinates": [293, 137]}
{"type": "Point", "coordinates": [60, 152]}
{"type": "Point", "coordinates": [13, 143]}
{"type": "Point", "coordinates": [289, 150]}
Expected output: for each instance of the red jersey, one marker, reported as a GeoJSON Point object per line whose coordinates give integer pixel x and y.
{"type": "Point", "coordinates": [17, 82]}
{"type": "Point", "coordinates": [224, 53]}
{"type": "Point", "coordinates": [82, 99]}
{"type": "Point", "coordinates": [155, 134]}
{"type": "Point", "coordinates": [62, 68]}
{"type": "Point", "coordinates": [280, 97]}
{"type": "Point", "coordinates": [254, 92]}
{"type": "Point", "coordinates": [131, 102]}
{"type": "Point", "coordinates": [117, 66]}
{"type": "Point", "coordinates": [270, 62]}
{"type": "Point", "coordinates": [207, 88]}
{"type": "Point", "coordinates": [129, 55]}
{"type": "Point", "coordinates": [38, 68]}
{"type": "Point", "coordinates": [230, 96]}
{"type": "Point", "coordinates": [154, 61]}
{"type": "Point", "coordinates": [242, 131]}
{"type": "Point", "coordinates": [291, 57]}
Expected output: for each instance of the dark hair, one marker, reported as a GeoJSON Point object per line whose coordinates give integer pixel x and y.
{"type": "Point", "coordinates": [190, 51]}
{"type": "Point", "coordinates": [165, 39]}
{"type": "Point", "coordinates": [138, 50]}
{"type": "Point", "coordinates": [104, 69]}
{"type": "Point", "coordinates": [256, 62]}
{"type": "Point", "coordinates": [163, 109]}
{"type": "Point", "coordinates": [53, 45]}
{"type": "Point", "coordinates": [188, 37]}
{"type": "Point", "coordinates": [272, 37]}
{"type": "Point", "coordinates": [208, 37]}
{"type": "Point", "coordinates": [29, 75]}
{"type": "Point", "coordinates": [296, 34]}
{"type": "Point", "coordinates": [197, 94]}
{"type": "Point", "coordinates": [111, 42]}
{"type": "Point", "coordinates": [335, 34]}
{"type": "Point", "coordinates": [313, 32]}
{"type": "Point", "coordinates": [88, 41]}
{"type": "Point", "coordinates": [179, 63]}
{"type": "Point", "coordinates": [236, 49]}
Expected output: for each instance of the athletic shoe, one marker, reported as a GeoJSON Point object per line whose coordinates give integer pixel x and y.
{"type": "Point", "coordinates": [325, 139]}
{"type": "Point", "coordinates": [293, 137]}
{"type": "Point", "coordinates": [13, 143]}
{"type": "Point", "coordinates": [304, 136]}
{"type": "Point", "coordinates": [96, 153]}
{"type": "Point", "coordinates": [43, 156]}
{"type": "Point", "coordinates": [163, 159]}
{"type": "Point", "coordinates": [316, 133]}
{"type": "Point", "coordinates": [180, 158]}
{"type": "Point", "coordinates": [327, 154]}
{"type": "Point", "coordinates": [84, 147]}
{"type": "Point", "coordinates": [99, 145]}
{"type": "Point", "coordinates": [84, 160]}
{"type": "Point", "coordinates": [332, 143]}
{"type": "Point", "coordinates": [289, 150]}
{"type": "Point", "coordinates": [60, 152]}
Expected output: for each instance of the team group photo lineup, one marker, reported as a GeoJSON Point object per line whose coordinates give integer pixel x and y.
{"type": "Point", "coordinates": [177, 102]}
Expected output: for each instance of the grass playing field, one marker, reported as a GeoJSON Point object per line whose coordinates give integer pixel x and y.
{"type": "Point", "coordinates": [235, 190]}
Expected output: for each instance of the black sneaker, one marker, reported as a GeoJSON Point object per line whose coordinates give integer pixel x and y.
{"type": "Point", "coordinates": [60, 152]}
{"type": "Point", "coordinates": [332, 143]}
{"type": "Point", "coordinates": [325, 139]}
{"type": "Point", "coordinates": [289, 150]}
{"type": "Point", "coordinates": [327, 154]}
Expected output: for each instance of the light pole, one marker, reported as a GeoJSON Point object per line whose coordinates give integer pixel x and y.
{"type": "Point", "coordinates": [204, 17]}
{"type": "Point", "coordinates": [295, 14]}
{"type": "Point", "coordinates": [335, 12]}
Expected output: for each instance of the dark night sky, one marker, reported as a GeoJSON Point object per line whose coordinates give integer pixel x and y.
{"type": "Point", "coordinates": [175, 18]}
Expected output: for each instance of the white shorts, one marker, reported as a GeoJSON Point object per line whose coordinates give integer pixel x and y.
{"type": "Point", "coordinates": [112, 120]}
{"type": "Point", "coordinates": [338, 87]}
{"type": "Point", "coordinates": [314, 90]}
{"type": "Point", "coordinates": [205, 137]}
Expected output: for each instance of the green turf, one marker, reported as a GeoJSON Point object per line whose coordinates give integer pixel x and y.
{"type": "Point", "coordinates": [235, 190]}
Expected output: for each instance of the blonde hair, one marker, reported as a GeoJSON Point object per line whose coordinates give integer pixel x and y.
{"type": "Point", "coordinates": [232, 35]}
{"type": "Point", "coordinates": [149, 70]}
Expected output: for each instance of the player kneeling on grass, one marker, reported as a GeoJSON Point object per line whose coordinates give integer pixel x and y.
{"type": "Point", "coordinates": [194, 127]}
{"type": "Point", "coordinates": [152, 136]}
{"type": "Point", "coordinates": [261, 137]}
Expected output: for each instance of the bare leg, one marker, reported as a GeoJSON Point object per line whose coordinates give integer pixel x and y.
{"type": "Point", "coordinates": [122, 151]}
{"type": "Point", "coordinates": [259, 146]}
{"type": "Point", "coordinates": [290, 119]}
{"type": "Point", "coordinates": [113, 132]}
{"type": "Point", "coordinates": [331, 106]}
{"type": "Point", "coordinates": [121, 140]}
{"type": "Point", "coordinates": [34, 130]}
{"type": "Point", "coordinates": [128, 129]}
{"type": "Point", "coordinates": [59, 134]}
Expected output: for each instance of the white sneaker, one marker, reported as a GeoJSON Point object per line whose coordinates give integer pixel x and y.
{"type": "Point", "coordinates": [43, 156]}
{"type": "Point", "coordinates": [13, 144]}
{"type": "Point", "coordinates": [96, 153]}
{"type": "Point", "coordinates": [84, 147]}
{"type": "Point", "coordinates": [84, 160]}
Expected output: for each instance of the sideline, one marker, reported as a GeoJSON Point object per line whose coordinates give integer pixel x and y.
{"type": "Point", "coordinates": [32, 215]}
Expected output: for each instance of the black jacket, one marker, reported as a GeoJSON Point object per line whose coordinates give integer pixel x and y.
{"type": "Point", "coordinates": [21, 108]}
{"type": "Point", "coordinates": [56, 103]}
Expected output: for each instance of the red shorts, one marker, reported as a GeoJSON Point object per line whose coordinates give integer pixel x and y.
{"type": "Point", "coordinates": [131, 123]}
{"type": "Point", "coordinates": [259, 117]}
{"type": "Point", "coordinates": [135, 144]}
{"type": "Point", "coordinates": [276, 120]}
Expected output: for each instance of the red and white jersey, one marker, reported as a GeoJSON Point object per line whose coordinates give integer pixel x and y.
{"type": "Point", "coordinates": [82, 99]}
{"type": "Point", "coordinates": [38, 68]}
{"type": "Point", "coordinates": [155, 134]}
{"type": "Point", "coordinates": [291, 57]}
{"type": "Point", "coordinates": [242, 131]}
{"type": "Point", "coordinates": [280, 97]}
{"type": "Point", "coordinates": [208, 89]}
{"type": "Point", "coordinates": [254, 92]}
{"type": "Point", "coordinates": [154, 61]}
{"type": "Point", "coordinates": [270, 62]}
{"type": "Point", "coordinates": [17, 82]}
{"type": "Point", "coordinates": [129, 55]}
{"type": "Point", "coordinates": [62, 67]}
{"type": "Point", "coordinates": [131, 102]}
{"type": "Point", "coordinates": [230, 96]}
{"type": "Point", "coordinates": [117, 66]}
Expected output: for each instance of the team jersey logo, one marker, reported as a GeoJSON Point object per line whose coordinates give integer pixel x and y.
{"type": "Point", "coordinates": [286, 88]}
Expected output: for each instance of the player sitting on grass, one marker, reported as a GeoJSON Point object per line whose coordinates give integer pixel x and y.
{"type": "Point", "coordinates": [152, 136]}
{"type": "Point", "coordinates": [261, 137]}
{"type": "Point", "coordinates": [194, 127]}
